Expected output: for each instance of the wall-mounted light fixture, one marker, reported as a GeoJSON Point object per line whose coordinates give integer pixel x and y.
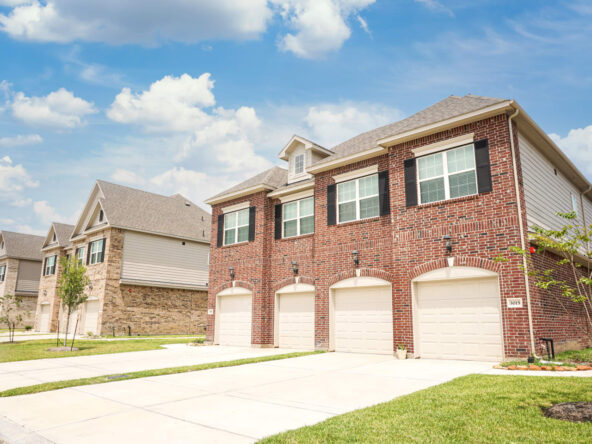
{"type": "Point", "coordinates": [231, 270]}
{"type": "Point", "coordinates": [355, 254]}
{"type": "Point", "coordinates": [448, 240]}
{"type": "Point", "coordinates": [295, 267]}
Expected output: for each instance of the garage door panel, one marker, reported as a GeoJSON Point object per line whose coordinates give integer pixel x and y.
{"type": "Point", "coordinates": [91, 317]}
{"type": "Point", "coordinates": [44, 322]}
{"type": "Point", "coordinates": [459, 319]}
{"type": "Point", "coordinates": [363, 321]}
{"type": "Point", "coordinates": [234, 320]}
{"type": "Point", "coordinates": [296, 320]}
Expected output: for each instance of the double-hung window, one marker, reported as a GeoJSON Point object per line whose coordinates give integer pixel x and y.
{"type": "Point", "coordinates": [2, 273]}
{"type": "Point", "coordinates": [50, 265]}
{"type": "Point", "coordinates": [299, 164]}
{"type": "Point", "coordinates": [358, 199]}
{"type": "Point", "coordinates": [80, 255]}
{"type": "Point", "coordinates": [298, 217]}
{"type": "Point", "coordinates": [236, 227]}
{"type": "Point", "coordinates": [97, 252]}
{"type": "Point", "coordinates": [447, 174]}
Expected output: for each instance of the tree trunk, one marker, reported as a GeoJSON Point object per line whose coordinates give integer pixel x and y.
{"type": "Point", "coordinates": [74, 334]}
{"type": "Point", "coordinates": [67, 325]}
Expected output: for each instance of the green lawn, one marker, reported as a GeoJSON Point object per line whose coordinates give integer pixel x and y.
{"type": "Point", "coordinates": [575, 355]}
{"type": "Point", "coordinates": [471, 409]}
{"type": "Point", "coordinates": [27, 350]}
{"type": "Point", "coordinates": [48, 386]}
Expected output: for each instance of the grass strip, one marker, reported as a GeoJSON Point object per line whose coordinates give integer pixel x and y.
{"type": "Point", "coordinates": [48, 386]}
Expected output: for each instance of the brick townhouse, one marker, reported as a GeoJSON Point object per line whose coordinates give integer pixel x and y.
{"type": "Point", "coordinates": [147, 259]}
{"type": "Point", "coordinates": [389, 239]}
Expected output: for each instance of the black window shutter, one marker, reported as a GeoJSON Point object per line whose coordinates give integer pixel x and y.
{"type": "Point", "coordinates": [331, 213]}
{"type": "Point", "coordinates": [410, 183]}
{"type": "Point", "coordinates": [252, 224]}
{"type": "Point", "coordinates": [44, 266]}
{"type": "Point", "coordinates": [220, 236]}
{"type": "Point", "coordinates": [483, 166]}
{"type": "Point", "coordinates": [278, 221]}
{"type": "Point", "coordinates": [102, 257]}
{"type": "Point", "coordinates": [88, 253]}
{"type": "Point", "coordinates": [384, 193]}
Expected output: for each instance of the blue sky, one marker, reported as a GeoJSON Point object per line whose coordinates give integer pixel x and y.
{"type": "Point", "coordinates": [194, 96]}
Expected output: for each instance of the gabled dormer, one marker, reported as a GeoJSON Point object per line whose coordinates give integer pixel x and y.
{"type": "Point", "coordinates": [93, 216]}
{"type": "Point", "coordinates": [301, 153]}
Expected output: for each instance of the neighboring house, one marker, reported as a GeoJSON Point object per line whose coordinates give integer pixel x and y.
{"type": "Point", "coordinates": [147, 259]}
{"type": "Point", "coordinates": [55, 246]}
{"type": "Point", "coordinates": [20, 265]}
{"type": "Point", "coordinates": [390, 238]}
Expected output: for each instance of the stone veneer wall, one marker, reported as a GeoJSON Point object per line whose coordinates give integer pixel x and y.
{"type": "Point", "coordinates": [48, 294]}
{"type": "Point", "coordinates": [145, 310]}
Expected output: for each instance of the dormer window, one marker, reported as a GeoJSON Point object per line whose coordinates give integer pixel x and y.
{"type": "Point", "coordinates": [299, 164]}
{"type": "Point", "coordinates": [101, 215]}
{"type": "Point", "coordinates": [53, 239]}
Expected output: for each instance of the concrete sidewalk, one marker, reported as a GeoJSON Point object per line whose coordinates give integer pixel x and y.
{"type": "Point", "coordinates": [234, 404]}
{"type": "Point", "coordinates": [23, 373]}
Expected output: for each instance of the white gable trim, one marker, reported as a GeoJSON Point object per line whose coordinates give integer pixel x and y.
{"type": "Point", "coordinates": [444, 145]}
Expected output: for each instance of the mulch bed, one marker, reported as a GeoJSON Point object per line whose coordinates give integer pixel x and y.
{"type": "Point", "coordinates": [61, 349]}
{"type": "Point", "coordinates": [571, 411]}
{"type": "Point", "coordinates": [555, 368]}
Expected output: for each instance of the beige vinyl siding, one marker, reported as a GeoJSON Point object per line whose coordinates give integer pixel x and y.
{"type": "Point", "coordinates": [28, 276]}
{"type": "Point", "coordinates": [546, 193]}
{"type": "Point", "coordinates": [164, 260]}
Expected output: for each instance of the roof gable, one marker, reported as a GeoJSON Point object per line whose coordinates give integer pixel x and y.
{"type": "Point", "coordinates": [62, 233]}
{"type": "Point", "coordinates": [22, 246]}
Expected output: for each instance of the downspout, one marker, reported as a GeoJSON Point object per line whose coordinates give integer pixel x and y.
{"type": "Point", "coordinates": [522, 234]}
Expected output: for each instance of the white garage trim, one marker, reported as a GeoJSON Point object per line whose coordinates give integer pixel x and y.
{"type": "Point", "coordinates": [351, 283]}
{"type": "Point", "coordinates": [297, 288]}
{"type": "Point", "coordinates": [447, 274]}
{"type": "Point", "coordinates": [229, 292]}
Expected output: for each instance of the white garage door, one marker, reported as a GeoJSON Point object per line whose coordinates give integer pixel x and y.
{"type": "Point", "coordinates": [44, 319]}
{"type": "Point", "coordinates": [363, 320]}
{"type": "Point", "coordinates": [91, 318]}
{"type": "Point", "coordinates": [459, 319]}
{"type": "Point", "coordinates": [296, 320]}
{"type": "Point", "coordinates": [234, 319]}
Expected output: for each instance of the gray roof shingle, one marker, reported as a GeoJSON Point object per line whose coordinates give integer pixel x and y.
{"type": "Point", "coordinates": [273, 177]}
{"type": "Point", "coordinates": [63, 233]}
{"type": "Point", "coordinates": [134, 209]}
{"type": "Point", "coordinates": [22, 246]}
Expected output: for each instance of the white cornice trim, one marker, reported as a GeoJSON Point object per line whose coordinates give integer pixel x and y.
{"type": "Point", "coordinates": [360, 172]}
{"type": "Point", "coordinates": [237, 194]}
{"type": "Point", "coordinates": [291, 189]}
{"type": "Point", "coordinates": [356, 157]}
{"type": "Point", "coordinates": [237, 207]}
{"type": "Point", "coordinates": [297, 196]}
{"type": "Point", "coordinates": [465, 139]}
{"type": "Point", "coordinates": [440, 126]}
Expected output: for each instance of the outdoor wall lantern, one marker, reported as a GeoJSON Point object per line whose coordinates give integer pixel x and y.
{"type": "Point", "coordinates": [231, 269]}
{"type": "Point", "coordinates": [295, 267]}
{"type": "Point", "coordinates": [356, 258]}
{"type": "Point", "coordinates": [448, 240]}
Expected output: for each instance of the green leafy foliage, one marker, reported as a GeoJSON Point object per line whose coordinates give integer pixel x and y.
{"type": "Point", "coordinates": [9, 313]}
{"type": "Point", "coordinates": [71, 286]}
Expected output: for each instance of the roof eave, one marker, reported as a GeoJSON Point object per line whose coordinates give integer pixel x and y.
{"type": "Point", "coordinates": [226, 197]}
{"type": "Point", "coordinates": [345, 160]}
{"type": "Point", "coordinates": [294, 189]}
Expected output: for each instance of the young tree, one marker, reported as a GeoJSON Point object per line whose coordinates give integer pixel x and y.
{"type": "Point", "coordinates": [9, 313]}
{"type": "Point", "coordinates": [571, 270]}
{"type": "Point", "coordinates": [71, 285]}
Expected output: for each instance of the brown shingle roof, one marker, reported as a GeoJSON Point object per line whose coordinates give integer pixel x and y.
{"type": "Point", "coordinates": [22, 246]}
{"type": "Point", "coordinates": [134, 209]}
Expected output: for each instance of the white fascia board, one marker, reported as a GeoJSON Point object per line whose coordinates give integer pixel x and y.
{"type": "Point", "coordinates": [292, 189]}
{"type": "Point", "coordinates": [440, 126]}
{"type": "Point", "coordinates": [360, 172]}
{"type": "Point", "coordinates": [240, 193]}
{"type": "Point", "coordinates": [345, 160]}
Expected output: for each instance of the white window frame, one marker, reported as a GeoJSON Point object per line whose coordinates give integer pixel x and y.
{"type": "Point", "coordinates": [297, 218]}
{"type": "Point", "coordinates": [296, 158]}
{"type": "Point", "coordinates": [94, 255]}
{"type": "Point", "coordinates": [445, 175]}
{"type": "Point", "coordinates": [2, 273]}
{"type": "Point", "coordinates": [79, 258]}
{"type": "Point", "coordinates": [50, 265]}
{"type": "Point", "coordinates": [236, 226]}
{"type": "Point", "coordinates": [356, 199]}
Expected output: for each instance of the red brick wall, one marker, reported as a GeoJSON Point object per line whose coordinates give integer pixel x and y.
{"type": "Point", "coordinates": [396, 247]}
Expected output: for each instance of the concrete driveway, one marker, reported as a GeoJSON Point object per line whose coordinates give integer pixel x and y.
{"type": "Point", "coordinates": [235, 404]}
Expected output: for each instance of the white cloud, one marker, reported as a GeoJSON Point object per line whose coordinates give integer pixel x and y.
{"type": "Point", "coordinates": [58, 110]}
{"type": "Point", "coordinates": [578, 146]}
{"type": "Point", "coordinates": [194, 185]}
{"type": "Point", "coordinates": [46, 212]}
{"type": "Point", "coordinates": [27, 229]}
{"type": "Point", "coordinates": [20, 203]}
{"type": "Point", "coordinates": [170, 104]}
{"type": "Point", "coordinates": [19, 140]}
{"type": "Point", "coordinates": [147, 22]}
{"type": "Point", "coordinates": [435, 5]}
{"type": "Point", "coordinates": [6, 221]}
{"type": "Point", "coordinates": [320, 25]}
{"type": "Point", "coordinates": [330, 124]}
{"type": "Point", "coordinates": [122, 175]}
{"type": "Point", "coordinates": [14, 178]}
